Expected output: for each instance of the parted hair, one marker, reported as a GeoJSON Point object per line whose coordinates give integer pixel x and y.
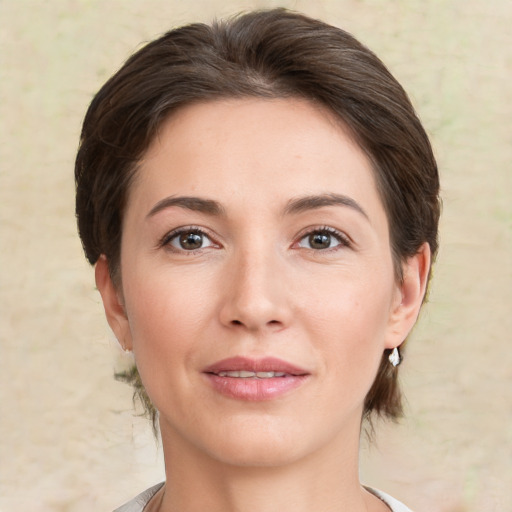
{"type": "Point", "coordinates": [264, 54]}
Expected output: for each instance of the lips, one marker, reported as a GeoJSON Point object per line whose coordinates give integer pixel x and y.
{"type": "Point", "coordinates": [244, 374]}
{"type": "Point", "coordinates": [254, 379]}
{"type": "Point", "coordinates": [267, 364]}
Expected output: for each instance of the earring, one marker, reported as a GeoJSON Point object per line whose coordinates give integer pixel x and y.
{"type": "Point", "coordinates": [123, 346]}
{"type": "Point", "coordinates": [394, 358]}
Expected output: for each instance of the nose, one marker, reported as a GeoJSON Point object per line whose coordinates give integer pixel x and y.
{"type": "Point", "coordinates": [255, 293]}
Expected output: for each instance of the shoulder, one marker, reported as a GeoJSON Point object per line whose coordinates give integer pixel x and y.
{"type": "Point", "coordinates": [139, 502]}
{"type": "Point", "coordinates": [392, 503]}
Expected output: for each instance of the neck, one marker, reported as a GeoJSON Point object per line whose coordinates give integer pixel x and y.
{"type": "Point", "coordinates": [327, 480]}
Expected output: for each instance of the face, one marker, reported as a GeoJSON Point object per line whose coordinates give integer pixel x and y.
{"type": "Point", "coordinates": [258, 291]}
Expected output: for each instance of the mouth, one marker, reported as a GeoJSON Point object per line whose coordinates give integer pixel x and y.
{"type": "Point", "coordinates": [246, 367]}
{"type": "Point", "coordinates": [254, 379]}
{"type": "Point", "coordinates": [243, 374]}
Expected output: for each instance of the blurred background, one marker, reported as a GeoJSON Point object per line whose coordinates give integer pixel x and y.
{"type": "Point", "coordinates": [69, 438]}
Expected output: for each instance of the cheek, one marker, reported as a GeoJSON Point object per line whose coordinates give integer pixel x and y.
{"type": "Point", "coordinates": [349, 321]}
{"type": "Point", "coordinates": [353, 304]}
{"type": "Point", "coordinates": [166, 317]}
{"type": "Point", "coordinates": [165, 313]}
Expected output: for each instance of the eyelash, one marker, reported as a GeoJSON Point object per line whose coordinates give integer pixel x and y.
{"type": "Point", "coordinates": [169, 237]}
{"type": "Point", "coordinates": [343, 240]}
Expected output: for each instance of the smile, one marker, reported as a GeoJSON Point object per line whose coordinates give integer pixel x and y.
{"type": "Point", "coordinates": [250, 379]}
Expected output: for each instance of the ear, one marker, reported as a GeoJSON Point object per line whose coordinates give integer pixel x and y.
{"type": "Point", "coordinates": [113, 304]}
{"type": "Point", "coordinates": [409, 297]}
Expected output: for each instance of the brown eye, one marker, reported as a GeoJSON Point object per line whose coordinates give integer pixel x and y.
{"type": "Point", "coordinates": [322, 239]}
{"type": "Point", "coordinates": [319, 240]}
{"type": "Point", "coordinates": [190, 241]}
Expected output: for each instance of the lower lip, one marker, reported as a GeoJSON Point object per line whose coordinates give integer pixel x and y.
{"type": "Point", "coordinates": [253, 389]}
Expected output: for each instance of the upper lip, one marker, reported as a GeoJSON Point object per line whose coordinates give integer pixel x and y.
{"type": "Point", "coordinates": [265, 364]}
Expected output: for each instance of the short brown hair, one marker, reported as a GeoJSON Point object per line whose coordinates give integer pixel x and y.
{"type": "Point", "coordinates": [266, 54]}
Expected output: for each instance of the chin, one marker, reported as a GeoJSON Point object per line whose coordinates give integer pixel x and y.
{"type": "Point", "coordinates": [252, 442]}
{"type": "Point", "coordinates": [267, 442]}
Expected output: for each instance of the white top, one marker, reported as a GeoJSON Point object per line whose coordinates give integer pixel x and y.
{"type": "Point", "coordinates": [139, 502]}
{"type": "Point", "coordinates": [394, 505]}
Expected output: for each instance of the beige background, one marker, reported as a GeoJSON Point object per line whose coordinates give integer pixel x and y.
{"type": "Point", "coordinates": [68, 438]}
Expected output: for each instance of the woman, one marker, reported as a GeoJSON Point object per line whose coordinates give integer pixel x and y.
{"type": "Point", "coordinates": [261, 204]}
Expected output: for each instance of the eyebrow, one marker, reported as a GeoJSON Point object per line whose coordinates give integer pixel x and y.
{"type": "Point", "coordinates": [305, 203]}
{"type": "Point", "coordinates": [195, 204]}
{"type": "Point", "coordinates": [294, 206]}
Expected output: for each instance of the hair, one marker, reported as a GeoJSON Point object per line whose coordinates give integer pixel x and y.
{"type": "Point", "coordinates": [263, 54]}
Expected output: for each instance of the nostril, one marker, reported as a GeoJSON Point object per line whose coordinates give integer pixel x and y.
{"type": "Point", "coordinates": [271, 322]}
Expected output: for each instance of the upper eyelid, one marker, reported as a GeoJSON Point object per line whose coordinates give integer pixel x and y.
{"type": "Point", "coordinates": [333, 231]}
{"type": "Point", "coordinates": [184, 229]}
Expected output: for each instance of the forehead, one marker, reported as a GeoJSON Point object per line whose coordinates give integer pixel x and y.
{"type": "Point", "coordinates": [276, 148]}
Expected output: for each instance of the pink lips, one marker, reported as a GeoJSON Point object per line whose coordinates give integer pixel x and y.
{"type": "Point", "coordinates": [224, 376]}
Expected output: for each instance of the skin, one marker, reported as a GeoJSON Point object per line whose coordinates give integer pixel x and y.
{"type": "Point", "coordinates": [258, 287]}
